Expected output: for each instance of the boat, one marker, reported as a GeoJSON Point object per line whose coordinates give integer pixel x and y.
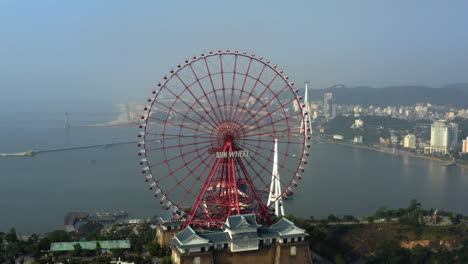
{"type": "Point", "coordinates": [449, 164]}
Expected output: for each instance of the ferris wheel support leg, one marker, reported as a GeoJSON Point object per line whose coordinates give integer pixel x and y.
{"type": "Point", "coordinates": [263, 210]}
{"type": "Point", "coordinates": [201, 195]}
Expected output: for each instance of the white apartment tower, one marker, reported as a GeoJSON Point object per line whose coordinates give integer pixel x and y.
{"type": "Point", "coordinates": [444, 136]}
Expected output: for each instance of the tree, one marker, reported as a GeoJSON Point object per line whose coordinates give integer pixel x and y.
{"type": "Point", "coordinates": [59, 236]}
{"type": "Point", "coordinates": [419, 254]}
{"type": "Point", "coordinates": [11, 236]}
{"type": "Point", "coordinates": [77, 251]}
{"type": "Point", "coordinates": [90, 227]}
{"type": "Point", "coordinates": [389, 251]}
{"type": "Point", "coordinates": [117, 252]}
{"type": "Point", "coordinates": [166, 260]}
{"type": "Point", "coordinates": [333, 218]}
{"type": "Point", "coordinates": [98, 249]}
{"type": "Point", "coordinates": [154, 249]}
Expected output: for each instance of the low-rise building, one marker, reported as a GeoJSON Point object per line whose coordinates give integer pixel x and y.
{"type": "Point", "coordinates": [409, 141]}
{"type": "Point", "coordinates": [242, 240]}
{"type": "Point", "coordinates": [106, 245]}
{"type": "Point", "coordinates": [357, 140]}
{"type": "Point", "coordinates": [167, 227]}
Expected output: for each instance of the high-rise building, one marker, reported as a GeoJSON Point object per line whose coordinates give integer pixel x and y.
{"type": "Point", "coordinates": [409, 141]}
{"type": "Point", "coordinates": [453, 129]}
{"type": "Point", "coordinates": [444, 136]}
{"type": "Point", "coordinates": [328, 105]}
{"type": "Point", "coordinates": [465, 145]}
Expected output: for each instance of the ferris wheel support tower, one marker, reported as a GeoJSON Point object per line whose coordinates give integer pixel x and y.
{"type": "Point", "coordinates": [275, 194]}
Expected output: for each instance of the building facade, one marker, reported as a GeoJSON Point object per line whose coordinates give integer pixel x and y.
{"type": "Point", "coordinates": [409, 141]}
{"type": "Point", "coordinates": [444, 137]}
{"type": "Point", "coordinates": [329, 110]}
{"type": "Point", "coordinates": [465, 145]}
{"type": "Point", "coordinates": [244, 241]}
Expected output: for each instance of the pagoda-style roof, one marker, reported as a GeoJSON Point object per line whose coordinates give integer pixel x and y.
{"type": "Point", "coordinates": [287, 228]}
{"type": "Point", "coordinates": [189, 238]}
{"type": "Point", "coordinates": [217, 237]}
{"type": "Point", "coordinates": [241, 221]}
{"type": "Point", "coordinates": [167, 217]}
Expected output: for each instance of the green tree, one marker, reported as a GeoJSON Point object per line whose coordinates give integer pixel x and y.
{"type": "Point", "coordinates": [98, 249]}
{"type": "Point", "coordinates": [166, 260]}
{"type": "Point", "coordinates": [90, 227]}
{"type": "Point", "coordinates": [333, 218]}
{"type": "Point", "coordinates": [11, 236]}
{"type": "Point", "coordinates": [59, 236]}
{"type": "Point", "coordinates": [389, 251]}
{"type": "Point", "coordinates": [419, 254]}
{"type": "Point", "coordinates": [154, 249]}
{"type": "Point", "coordinates": [77, 251]}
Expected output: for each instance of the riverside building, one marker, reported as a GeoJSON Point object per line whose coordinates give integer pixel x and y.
{"type": "Point", "coordinates": [409, 141]}
{"type": "Point", "coordinates": [465, 145]}
{"type": "Point", "coordinates": [444, 137]}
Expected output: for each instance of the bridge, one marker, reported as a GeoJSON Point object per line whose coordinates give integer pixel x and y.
{"type": "Point", "coordinates": [34, 152]}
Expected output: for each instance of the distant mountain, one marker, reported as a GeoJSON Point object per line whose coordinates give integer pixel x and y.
{"type": "Point", "coordinates": [455, 95]}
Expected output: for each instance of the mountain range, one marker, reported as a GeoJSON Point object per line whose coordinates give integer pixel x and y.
{"type": "Point", "coordinates": [454, 95]}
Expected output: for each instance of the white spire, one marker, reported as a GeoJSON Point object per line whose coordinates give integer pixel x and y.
{"type": "Point", "coordinates": [275, 186]}
{"type": "Point", "coordinates": [308, 123]}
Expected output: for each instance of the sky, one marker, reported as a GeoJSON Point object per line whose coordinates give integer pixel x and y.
{"type": "Point", "coordinates": [88, 55]}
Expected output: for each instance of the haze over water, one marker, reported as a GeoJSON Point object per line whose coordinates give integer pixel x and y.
{"type": "Point", "coordinates": [36, 192]}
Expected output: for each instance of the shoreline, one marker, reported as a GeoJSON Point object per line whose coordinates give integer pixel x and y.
{"type": "Point", "coordinates": [400, 152]}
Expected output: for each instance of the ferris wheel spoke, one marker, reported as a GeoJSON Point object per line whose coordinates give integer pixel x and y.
{"type": "Point", "coordinates": [178, 157]}
{"type": "Point", "coordinates": [171, 109]}
{"type": "Point", "coordinates": [223, 86]}
{"type": "Point", "coordinates": [257, 81]}
{"type": "Point", "coordinates": [267, 149]}
{"type": "Point", "coordinates": [268, 159]}
{"type": "Point", "coordinates": [180, 145]}
{"type": "Point", "coordinates": [257, 174]}
{"type": "Point", "coordinates": [274, 122]}
{"type": "Point", "coordinates": [171, 136]}
{"type": "Point", "coordinates": [187, 105]}
{"type": "Point", "coordinates": [204, 93]}
{"type": "Point", "coordinates": [176, 124]}
{"type": "Point", "coordinates": [213, 87]}
{"type": "Point", "coordinates": [269, 141]}
{"type": "Point", "coordinates": [264, 105]}
{"type": "Point", "coordinates": [233, 88]}
{"type": "Point", "coordinates": [187, 88]}
{"type": "Point", "coordinates": [242, 91]}
{"type": "Point", "coordinates": [267, 87]}
{"type": "Point", "coordinates": [281, 107]}
{"type": "Point", "coordinates": [265, 169]}
{"type": "Point", "coordinates": [182, 166]}
{"type": "Point", "coordinates": [204, 172]}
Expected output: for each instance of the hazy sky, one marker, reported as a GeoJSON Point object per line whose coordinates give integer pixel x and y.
{"type": "Point", "coordinates": [90, 55]}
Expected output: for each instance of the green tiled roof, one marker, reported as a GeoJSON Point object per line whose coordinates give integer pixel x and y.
{"type": "Point", "coordinates": [91, 245]}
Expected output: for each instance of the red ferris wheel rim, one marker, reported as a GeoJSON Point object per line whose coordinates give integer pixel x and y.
{"type": "Point", "coordinates": [191, 115]}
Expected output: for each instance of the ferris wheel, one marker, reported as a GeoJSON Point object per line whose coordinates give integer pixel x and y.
{"type": "Point", "coordinates": [218, 130]}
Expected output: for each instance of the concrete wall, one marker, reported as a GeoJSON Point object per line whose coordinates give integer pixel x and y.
{"type": "Point", "coordinates": [302, 253]}
{"type": "Point", "coordinates": [178, 258]}
{"type": "Point", "coordinates": [265, 255]}
{"type": "Point", "coordinates": [163, 237]}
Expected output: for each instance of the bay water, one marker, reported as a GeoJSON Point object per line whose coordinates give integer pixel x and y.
{"type": "Point", "coordinates": [36, 192]}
